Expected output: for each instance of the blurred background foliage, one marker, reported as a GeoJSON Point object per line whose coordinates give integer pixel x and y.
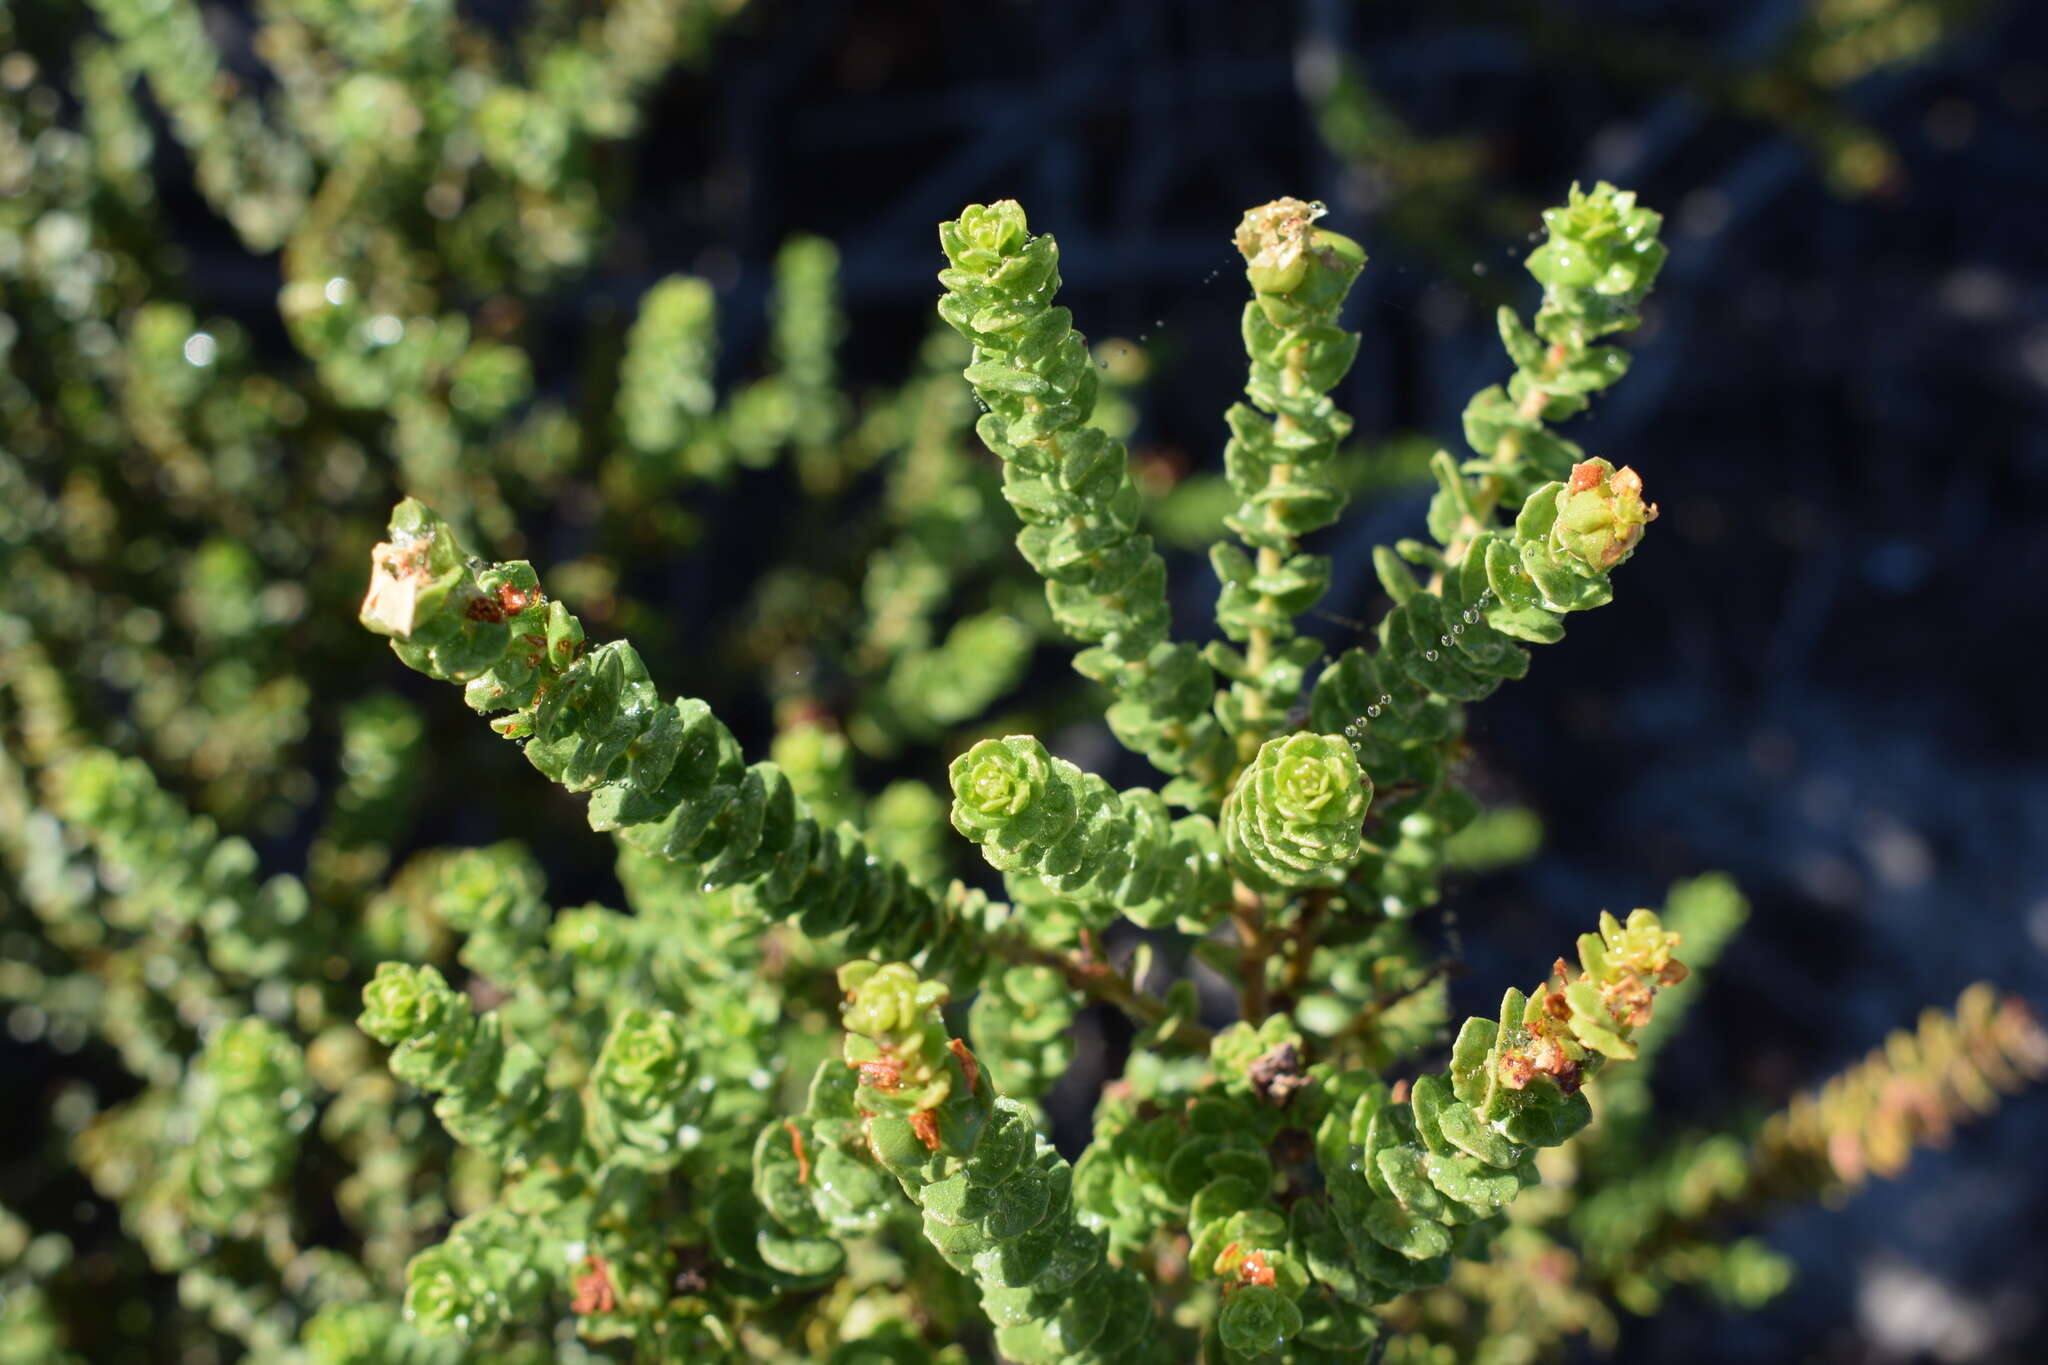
{"type": "Point", "coordinates": [642, 291]}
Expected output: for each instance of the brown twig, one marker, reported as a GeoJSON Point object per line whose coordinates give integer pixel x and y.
{"type": "Point", "coordinates": [1302, 937]}
{"type": "Point", "coordinates": [1248, 913]}
{"type": "Point", "coordinates": [1098, 980]}
{"type": "Point", "coordinates": [1374, 1008]}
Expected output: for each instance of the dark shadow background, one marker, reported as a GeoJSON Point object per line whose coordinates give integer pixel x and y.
{"type": "Point", "coordinates": [1820, 671]}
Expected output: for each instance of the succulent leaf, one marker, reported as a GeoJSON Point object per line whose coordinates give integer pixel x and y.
{"type": "Point", "coordinates": [1294, 817]}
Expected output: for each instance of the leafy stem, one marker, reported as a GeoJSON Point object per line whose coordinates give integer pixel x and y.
{"type": "Point", "coordinates": [1486, 495]}
{"type": "Point", "coordinates": [1248, 914]}
{"type": "Point", "coordinates": [1302, 937]}
{"type": "Point", "coordinates": [1272, 558]}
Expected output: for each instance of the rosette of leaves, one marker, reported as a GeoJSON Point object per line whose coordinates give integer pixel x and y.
{"type": "Point", "coordinates": [1033, 813]}
{"type": "Point", "coordinates": [484, 1279]}
{"type": "Point", "coordinates": [1295, 815]}
{"type": "Point", "coordinates": [996, 1197]}
{"type": "Point", "coordinates": [666, 777]}
{"type": "Point", "coordinates": [642, 1090]}
{"type": "Point", "coordinates": [493, 1091]}
{"type": "Point", "coordinates": [1071, 486]}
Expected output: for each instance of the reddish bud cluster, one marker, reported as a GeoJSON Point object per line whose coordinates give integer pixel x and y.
{"type": "Point", "coordinates": [1251, 1268]}
{"type": "Point", "coordinates": [884, 1074]}
{"type": "Point", "coordinates": [1543, 1054]}
{"type": "Point", "coordinates": [1627, 1000]}
{"type": "Point", "coordinates": [594, 1293]}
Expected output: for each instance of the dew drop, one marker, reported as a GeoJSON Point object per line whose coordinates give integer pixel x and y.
{"type": "Point", "coordinates": [1471, 617]}
{"type": "Point", "coordinates": [1457, 631]}
{"type": "Point", "coordinates": [1429, 654]}
{"type": "Point", "coordinates": [1373, 712]}
{"type": "Point", "coordinates": [1444, 640]}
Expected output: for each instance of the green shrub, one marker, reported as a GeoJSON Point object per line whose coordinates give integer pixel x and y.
{"type": "Point", "coordinates": [790, 1102]}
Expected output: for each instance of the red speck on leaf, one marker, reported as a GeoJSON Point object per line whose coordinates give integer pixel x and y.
{"type": "Point", "coordinates": [796, 1142]}
{"type": "Point", "coordinates": [967, 1062]}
